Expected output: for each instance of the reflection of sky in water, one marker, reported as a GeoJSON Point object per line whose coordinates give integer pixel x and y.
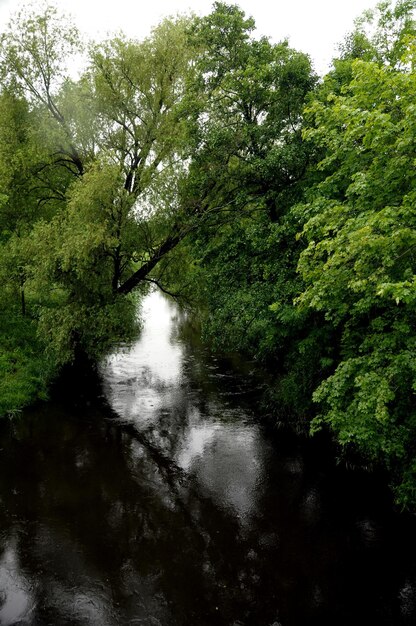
{"type": "Point", "coordinates": [225, 459]}
{"type": "Point", "coordinates": [230, 468]}
{"type": "Point", "coordinates": [15, 592]}
{"type": "Point", "coordinates": [216, 444]}
{"type": "Point", "coordinates": [139, 379]}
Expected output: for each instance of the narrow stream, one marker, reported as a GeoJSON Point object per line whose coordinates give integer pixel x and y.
{"type": "Point", "coordinates": [170, 503]}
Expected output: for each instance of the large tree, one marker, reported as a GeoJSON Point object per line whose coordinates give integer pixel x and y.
{"type": "Point", "coordinates": [243, 260]}
{"type": "Point", "coordinates": [359, 264]}
{"type": "Point", "coordinates": [109, 150]}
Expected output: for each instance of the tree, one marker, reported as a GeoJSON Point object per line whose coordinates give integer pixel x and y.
{"type": "Point", "coordinates": [102, 145]}
{"type": "Point", "coordinates": [359, 264]}
{"type": "Point", "coordinates": [254, 161]}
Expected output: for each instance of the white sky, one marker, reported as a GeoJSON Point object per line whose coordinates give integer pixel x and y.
{"type": "Point", "coordinates": [313, 26]}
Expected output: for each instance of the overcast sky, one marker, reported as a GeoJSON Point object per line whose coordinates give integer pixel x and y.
{"type": "Point", "coordinates": [313, 26]}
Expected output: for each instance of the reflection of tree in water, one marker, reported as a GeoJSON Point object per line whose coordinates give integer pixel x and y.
{"type": "Point", "coordinates": [112, 520]}
{"type": "Point", "coordinates": [115, 521]}
{"type": "Point", "coordinates": [109, 529]}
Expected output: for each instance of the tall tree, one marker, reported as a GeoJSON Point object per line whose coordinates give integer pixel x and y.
{"type": "Point", "coordinates": [250, 166]}
{"type": "Point", "coordinates": [359, 264]}
{"type": "Point", "coordinates": [105, 144]}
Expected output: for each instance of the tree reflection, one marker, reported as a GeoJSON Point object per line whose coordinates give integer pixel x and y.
{"type": "Point", "coordinates": [195, 515]}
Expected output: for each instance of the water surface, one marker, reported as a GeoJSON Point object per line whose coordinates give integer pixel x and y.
{"type": "Point", "coordinates": [169, 502]}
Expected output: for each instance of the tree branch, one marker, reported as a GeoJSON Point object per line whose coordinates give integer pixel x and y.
{"type": "Point", "coordinates": [157, 283]}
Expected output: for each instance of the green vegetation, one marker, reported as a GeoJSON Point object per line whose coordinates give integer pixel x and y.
{"type": "Point", "coordinates": [217, 166]}
{"type": "Point", "coordinates": [25, 371]}
{"type": "Point", "coordinates": [359, 263]}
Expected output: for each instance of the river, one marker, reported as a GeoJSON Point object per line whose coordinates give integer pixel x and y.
{"type": "Point", "coordinates": [169, 502]}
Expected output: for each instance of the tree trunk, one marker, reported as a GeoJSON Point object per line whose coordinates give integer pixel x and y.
{"type": "Point", "coordinates": [170, 242]}
{"type": "Point", "coordinates": [23, 301]}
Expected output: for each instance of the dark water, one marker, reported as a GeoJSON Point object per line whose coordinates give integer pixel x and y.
{"type": "Point", "coordinates": [176, 507]}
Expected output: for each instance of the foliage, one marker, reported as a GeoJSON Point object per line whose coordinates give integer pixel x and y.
{"type": "Point", "coordinates": [25, 370]}
{"type": "Point", "coordinates": [359, 264]}
{"type": "Point", "coordinates": [254, 160]}
{"type": "Point", "coordinates": [81, 160]}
